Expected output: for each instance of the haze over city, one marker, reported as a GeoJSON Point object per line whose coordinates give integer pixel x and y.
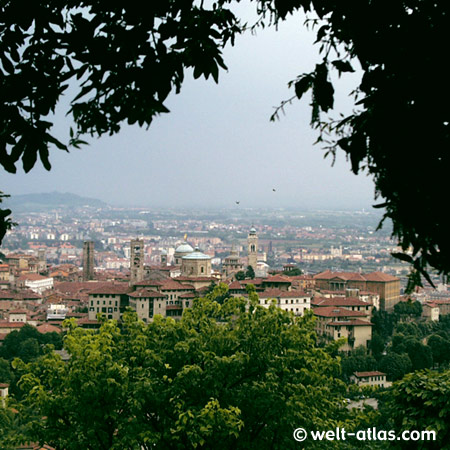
{"type": "Point", "coordinates": [217, 146]}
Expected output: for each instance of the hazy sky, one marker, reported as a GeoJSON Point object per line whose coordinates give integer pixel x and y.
{"type": "Point", "coordinates": [217, 145]}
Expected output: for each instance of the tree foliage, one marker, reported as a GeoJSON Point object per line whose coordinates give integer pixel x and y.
{"type": "Point", "coordinates": [28, 343]}
{"type": "Point", "coordinates": [250, 273]}
{"type": "Point", "coordinates": [224, 376]}
{"type": "Point", "coordinates": [408, 308]}
{"type": "Point", "coordinates": [420, 401]}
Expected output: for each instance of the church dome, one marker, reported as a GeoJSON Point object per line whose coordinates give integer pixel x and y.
{"type": "Point", "coordinates": [184, 248]}
{"type": "Point", "coordinates": [196, 254]}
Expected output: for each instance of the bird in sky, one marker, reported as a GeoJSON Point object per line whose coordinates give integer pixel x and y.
{"type": "Point", "coordinates": [273, 189]}
{"type": "Point", "coordinates": [237, 203]}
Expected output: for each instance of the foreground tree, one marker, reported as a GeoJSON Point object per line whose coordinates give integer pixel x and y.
{"type": "Point", "coordinates": [420, 401]}
{"type": "Point", "coordinates": [220, 377]}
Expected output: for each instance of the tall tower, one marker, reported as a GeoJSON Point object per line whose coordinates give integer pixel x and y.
{"type": "Point", "coordinates": [88, 260]}
{"type": "Point", "coordinates": [137, 260]}
{"type": "Point", "coordinates": [252, 249]}
{"type": "Point", "coordinates": [42, 260]}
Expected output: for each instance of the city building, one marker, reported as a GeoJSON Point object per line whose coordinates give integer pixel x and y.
{"type": "Point", "coordinates": [196, 264]}
{"type": "Point", "coordinates": [296, 302]}
{"type": "Point", "coordinates": [109, 300]}
{"type": "Point", "coordinates": [148, 303]}
{"type": "Point", "coordinates": [374, 379]}
{"type": "Point", "coordinates": [334, 323]}
{"type": "Point", "coordinates": [232, 263]}
{"type": "Point", "coordinates": [386, 286]}
{"type": "Point", "coordinates": [35, 282]}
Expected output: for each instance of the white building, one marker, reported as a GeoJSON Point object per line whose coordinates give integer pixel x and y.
{"type": "Point", "coordinates": [294, 301]}
{"type": "Point", "coordinates": [56, 312]}
{"type": "Point", "coordinates": [35, 282]}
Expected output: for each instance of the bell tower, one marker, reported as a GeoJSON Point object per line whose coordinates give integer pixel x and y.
{"type": "Point", "coordinates": [137, 261]}
{"type": "Point", "coordinates": [252, 248]}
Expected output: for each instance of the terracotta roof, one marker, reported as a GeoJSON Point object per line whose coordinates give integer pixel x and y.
{"type": "Point", "coordinates": [7, 295]}
{"type": "Point", "coordinates": [329, 275]}
{"type": "Point", "coordinates": [352, 276]}
{"type": "Point", "coordinates": [5, 324]}
{"type": "Point", "coordinates": [18, 311]}
{"type": "Point", "coordinates": [369, 374]}
{"type": "Point", "coordinates": [147, 293]}
{"type": "Point", "coordinates": [187, 295]}
{"type": "Point", "coordinates": [379, 276]}
{"type": "Point", "coordinates": [4, 385]}
{"type": "Point", "coordinates": [110, 288]}
{"type": "Point", "coordinates": [332, 311]}
{"type": "Point", "coordinates": [32, 277]}
{"type": "Point", "coordinates": [148, 283]}
{"type": "Point", "coordinates": [235, 285]}
{"type": "Point", "coordinates": [75, 287]}
{"type": "Point", "coordinates": [47, 328]}
{"type": "Point", "coordinates": [276, 279]}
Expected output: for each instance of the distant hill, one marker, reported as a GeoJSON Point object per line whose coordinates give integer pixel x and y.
{"type": "Point", "coordinates": [51, 200]}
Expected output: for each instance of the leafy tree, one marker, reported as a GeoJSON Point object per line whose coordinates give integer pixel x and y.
{"type": "Point", "coordinates": [357, 361]}
{"type": "Point", "coordinates": [384, 323]}
{"type": "Point", "coordinates": [220, 293]}
{"type": "Point", "coordinates": [395, 365]}
{"type": "Point", "coordinates": [250, 273]}
{"type": "Point", "coordinates": [293, 272]}
{"type": "Point", "coordinates": [11, 429]}
{"type": "Point", "coordinates": [240, 275]}
{"type": "Point", "coordinates": [420, 355]}
{"type": "Point", "coordinates": [439, 349]}
{"type": "Point", "coordinates": [6, 375]}
{"type": "Point", "coordinates": [28, 343]}
{"type": "Point", "coordinates": [224, 376]}
{"type": "Point", "coordinates": [377, 345]}
{"type": "Point", "coordinates": [409, 308]}
{"type": "Point", "coordinates": [420, 401]}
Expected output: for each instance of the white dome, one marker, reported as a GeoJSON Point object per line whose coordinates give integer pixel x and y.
{"type": "Point", "coordinates": [184, 248]}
